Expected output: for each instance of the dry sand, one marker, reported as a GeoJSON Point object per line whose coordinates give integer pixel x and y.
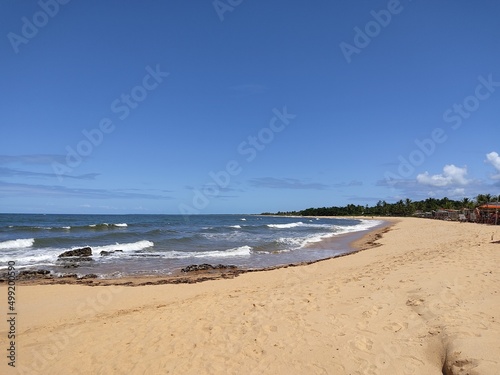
{"type": "Point", "coordinates": [426, 301]}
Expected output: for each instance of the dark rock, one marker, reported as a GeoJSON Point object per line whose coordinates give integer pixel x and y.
{"type": "Point", "coordinates": [225, 267]}
{"type": "Point", "coordinates": [71, 265]}
{"type": "Point", "coordinates": [197, 267]}
{"type": "Point", "coordinates": [89, 276]}
{"type": "Point", "coordinates": [206, 267]}
{"type": "Point", "coordinates": [104, 252]}
{"type": "Point", "coordinates": [75, 260]}
{"type": "Point", "coordinates": [32, 274]}
{"type": "Point", "coordinates": [82, 252]}
{"type": "Point", "coordinates": [68, 276]}
{"type": "Point", "coordinates": [26, 275]}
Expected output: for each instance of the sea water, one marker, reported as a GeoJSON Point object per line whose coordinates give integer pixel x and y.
{"type": "Point", "coordinates": [162, 244]}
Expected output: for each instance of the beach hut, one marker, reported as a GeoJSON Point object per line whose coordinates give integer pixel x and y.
{"type": "Point", "coordinates": [489, 213]}
{"type": "Point", "coordinates": [447, 214]}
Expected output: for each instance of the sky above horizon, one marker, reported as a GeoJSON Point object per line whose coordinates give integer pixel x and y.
{"type": "Point", "coordinates": [235, 106]}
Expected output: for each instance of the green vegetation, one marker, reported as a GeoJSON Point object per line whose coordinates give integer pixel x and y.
{"type": "Point", "coordinates": [401, 208]}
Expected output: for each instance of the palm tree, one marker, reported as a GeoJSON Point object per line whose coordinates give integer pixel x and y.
{"type": "Point", "coordinates": [446, 203]}
{"type": "Point", "coordinates": [467, 203]}
{"type": "Point", "coordinates": [409, 209]}
{"type": "Point", "coordinates": [399, 208]}
{"type": "Point", "coordinates": [481, 199]}
{"type": "Point", "coordinates": [431, 204]}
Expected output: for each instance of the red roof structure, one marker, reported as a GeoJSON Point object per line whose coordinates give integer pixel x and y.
{"type": "Point", "coordinates": [490, 206]}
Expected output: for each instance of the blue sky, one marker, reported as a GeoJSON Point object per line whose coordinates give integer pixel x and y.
{"type": "Point", "coordinates": [245, 106]}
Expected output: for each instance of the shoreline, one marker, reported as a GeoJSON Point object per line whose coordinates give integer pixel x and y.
{"type": "Point", "coordinates": [424, 301]}
{"type": "Point", "coordinates": [354, 242]}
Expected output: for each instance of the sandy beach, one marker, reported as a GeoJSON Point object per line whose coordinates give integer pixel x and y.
{"type": "Point", "coordinates": [424, 300]}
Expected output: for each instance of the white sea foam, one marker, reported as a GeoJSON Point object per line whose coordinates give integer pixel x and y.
{"type": "Point", "coordinates": [238, 251]}
{"type": "Point", "coordinates": [290, 241]}
{"type": "Point", "coordinates": [119, 225]}
{"type": "Point", "coordinates": [28, 257]}
{"type": "Point", "coordinates": [235, 226]}
{"type": "Point", "coordinates": [235, 235]}
{"type": "Point", "coordinates": [300, 224]}
{"type": "Point", "coordinates": [241, 251]}
{"type": "Point", "coordinates": [285, 226]}
{"type": "Point", "coordinates": [38, 259]}
{"type": "Point", "coordinates": [364, 225]}
{"type": "Point", "coordinates": [301, 242]}
{"type": "Point", "coordinates": [134, 246]}
{"type": "Point", "coordinates": [317, 238]}
{"type": "Point", "coordinates": [17, 244]}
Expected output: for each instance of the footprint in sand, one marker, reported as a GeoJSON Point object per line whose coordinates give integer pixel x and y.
{"type": "Point", "coordinates": [363, 326]}
{"type": "Point", "coordinates": [373, 312]}
{"type": "Point", "coordinates": [333, 289]}
{"type": "Point", "coordinates": [362, 343]}
{"type": "Point", "coordinates": [414, 302]}
{"type": "Point", "coordinates": [459, 366]}
{"type": "Point", "coordinates": [395, 327]}
{"type": "Point", "coordinates": [366, 368]}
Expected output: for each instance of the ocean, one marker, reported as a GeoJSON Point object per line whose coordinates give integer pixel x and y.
{"type": "Point", "coordinates": [162, 244]}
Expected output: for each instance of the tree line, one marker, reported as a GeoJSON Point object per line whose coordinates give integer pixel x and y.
{"type": "Point", "coordinates": [402, 207]}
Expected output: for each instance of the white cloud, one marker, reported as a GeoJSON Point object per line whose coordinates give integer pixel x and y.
{"type": "Point", "coordinates": [458, 192]}
{"type": "Point", "coordinates": [494, 159]}
{"type": "Point", "coordinates": [452, 175]}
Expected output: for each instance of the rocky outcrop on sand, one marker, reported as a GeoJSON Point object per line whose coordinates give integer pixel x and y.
{"type": "Point", "coordinates": [26, 275]}
{"type": "Point", "coordinates": [72, 258]}
{"type": "Point", "coordinates": [32, 274]}
{"type": "Point", "coordinates": [81, 252]}
{"type": "Point", "coordinates": [207, 267]}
